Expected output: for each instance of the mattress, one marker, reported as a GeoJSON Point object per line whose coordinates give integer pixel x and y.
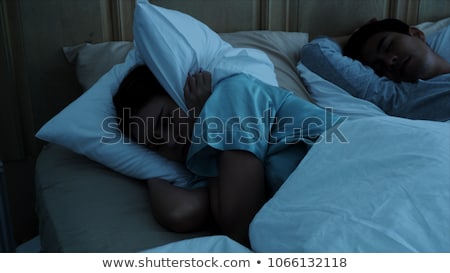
{"type": "Point", "coordinates": [114, 215]}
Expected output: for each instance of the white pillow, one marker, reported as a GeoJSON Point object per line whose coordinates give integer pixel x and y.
{"type": "Point", "coordinates": [95, 60]}
{"type": "Point", "coordinates": [82, 127]}
{"type": "Point", "coordinates": [432, 27]}
{"type": "Point", "coordinates": [328, 95]}
{"type": "Point", "coordinates": [174, 44]}
{"type": "Point", "coordinates": [179, 44]}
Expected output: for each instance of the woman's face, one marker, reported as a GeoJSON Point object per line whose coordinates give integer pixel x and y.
{"type": "Point", "coordinates": [163, 127]}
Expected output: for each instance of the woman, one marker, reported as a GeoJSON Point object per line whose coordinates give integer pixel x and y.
{"type": "Point", "coordinates": [246, 137]}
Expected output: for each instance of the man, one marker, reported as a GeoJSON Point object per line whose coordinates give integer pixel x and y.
{"type": "Point", "coordinates": [397, 68]}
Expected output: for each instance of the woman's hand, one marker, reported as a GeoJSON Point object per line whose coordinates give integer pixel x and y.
{"type": "Point", "coordinates": [197, 90]}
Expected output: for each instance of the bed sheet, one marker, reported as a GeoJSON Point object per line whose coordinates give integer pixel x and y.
{"type": "Point", "coordinates": [83, 206]}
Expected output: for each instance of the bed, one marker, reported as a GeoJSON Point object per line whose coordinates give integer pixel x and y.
{"type": "Point", "coordinates": [377, 184]}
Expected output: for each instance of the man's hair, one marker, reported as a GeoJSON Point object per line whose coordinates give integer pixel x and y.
{"type": "Point", "coordinates": [353, 48]}
{"type": "Point", "coordinates": [137, 88]}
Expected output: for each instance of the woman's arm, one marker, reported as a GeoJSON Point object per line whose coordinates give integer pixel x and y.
{"type": "Point", "coordinates": [238, 193]}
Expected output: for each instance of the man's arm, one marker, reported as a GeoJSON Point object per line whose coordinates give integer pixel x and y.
{"type": "Point", "coordinates": [328, 51]}
{"type": "Point", "coordinates": [341, 40]}
{"type": "Point", "coordinates": [323, 56]}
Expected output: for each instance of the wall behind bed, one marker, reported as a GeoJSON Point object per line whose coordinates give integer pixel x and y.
{"type": "Point", "coordinates": [36, 81]}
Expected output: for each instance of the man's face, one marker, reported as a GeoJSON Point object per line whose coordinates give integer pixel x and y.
{"type": "Point", "coordinates": [163, 127]}
{"type": "Point", "coordinates": [398, 56]}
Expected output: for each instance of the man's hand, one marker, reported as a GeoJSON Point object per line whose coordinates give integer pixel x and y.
{"type": "Point", "coordinates": [197, 90]}
{"type": "Point", "coordinates": [341, 40]}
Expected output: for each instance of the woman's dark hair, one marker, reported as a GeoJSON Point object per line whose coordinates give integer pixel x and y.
{"type": "Point", "coordinates": [137, 88]}
{"type": "Point", "coordinates": [353, 48]}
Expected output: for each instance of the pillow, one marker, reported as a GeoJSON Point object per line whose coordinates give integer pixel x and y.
{"type": "Point", "coordinates": [174, 45]}
{"type": "Point", "coordinates": [179, 44]}
{"type": "Point", "coordinates": [94, 60]}
{"type": "Point", "coordinates": [328, 95]}
{"type": "Point", "coordinates": [91, 61]}
{"type": "Point", "coordinates": [384, 190]}
{"type": "Point", "coordinates": [283, 49]}
{"type": "Point", "coordinates": [432, 27]}
{"type": "Point", "coordinates": [87, 126]}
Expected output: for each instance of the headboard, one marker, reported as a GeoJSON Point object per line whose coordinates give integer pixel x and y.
{"type": "Point", "coordinates": [39, 82]}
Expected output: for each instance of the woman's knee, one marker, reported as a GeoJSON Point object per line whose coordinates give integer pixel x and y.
{"type": "Point", "coordinates": [178, 209]}
{"type": "Point", "coordinates": [184, 218]}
